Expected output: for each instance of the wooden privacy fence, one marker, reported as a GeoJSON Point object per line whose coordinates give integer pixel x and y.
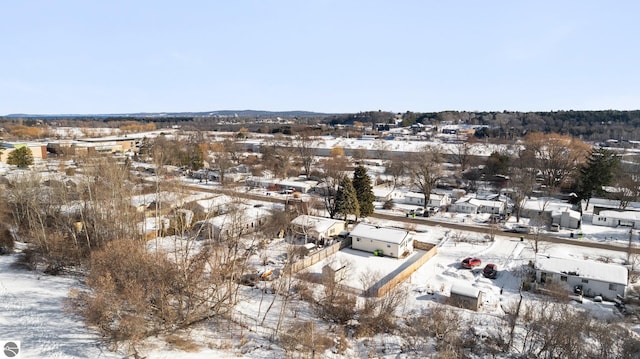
{"type": "Point", "coordinates": [391, 280]}
{"type": "Point", "coordinates": [319, 255]}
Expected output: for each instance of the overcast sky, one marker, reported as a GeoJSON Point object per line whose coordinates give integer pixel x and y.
{"type": "Point", "coordinates": [112, 56]}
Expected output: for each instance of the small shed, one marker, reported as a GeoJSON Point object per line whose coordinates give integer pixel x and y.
{"type": "Point", "coordinates": [465, 296]}
{"type": "Point", "coordinates": [333, 273]}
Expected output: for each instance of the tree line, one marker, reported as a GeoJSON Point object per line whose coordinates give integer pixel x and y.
{"type": "Point", "coordinates": [593, 126]}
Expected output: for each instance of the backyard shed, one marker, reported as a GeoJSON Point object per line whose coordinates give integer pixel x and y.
{"type": "Point", "coordinates": [465, 296]}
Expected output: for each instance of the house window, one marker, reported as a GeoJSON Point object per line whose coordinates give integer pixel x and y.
{"type": "Point", "coordinates": [563, 278]}
{"type": "Point", "coordinates": [585, 281]}
{"type": "Point", "coordinates": [613, 286]}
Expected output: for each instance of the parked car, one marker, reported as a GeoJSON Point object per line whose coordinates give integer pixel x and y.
{"type": "Point", "coordinates": [419, 211]}
{"type": "Point", "coordinates": [471, 262]}
{"type": "Point", "coordinates": [490, 271]}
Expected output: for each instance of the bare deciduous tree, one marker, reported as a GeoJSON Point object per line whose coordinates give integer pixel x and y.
{"type": "Point", "coordinates": [425, 168]}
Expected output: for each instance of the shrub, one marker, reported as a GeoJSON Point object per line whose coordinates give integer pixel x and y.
{"type": "Point", "coordinates": [6, 240]}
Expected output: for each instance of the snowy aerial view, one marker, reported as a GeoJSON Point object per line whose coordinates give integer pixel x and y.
{"type": "Point", "coordinates": [261, 266]}
{"type": "Point", "coordinates": [319, 179]}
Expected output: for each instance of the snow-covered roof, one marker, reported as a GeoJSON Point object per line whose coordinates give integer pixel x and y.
{"type": "Point", "coordinates": [165, 196]}
{"type": "Point", "coordinates": [413, 195]}
{"type": "Point", "coordinates": [486, 203]}
{"type": "Point", "coordinates": [246, 216]}
{"type": "Point", "coordinates": [465, 290]}
{"type": "Point", "coordinates": [630, 215]}
{"type": "Point", "coordinates": [215, 202]}
{"type": "Point", "coordinates": [610, 273]}
{"type": "Point", "coordinates": [546, 204]}
{"type": "Point", "coordinates": [572, 214]}
{"type": "Point", "coordinates": [608, 203]}
{"type": "Point", "coordinates": [319, 224]}
{"type": "Point", "coordinates": [293, 182]}
{"type": "Point", "coordinates": [381, 191]}
{"type": "Point", "coordinates": [421, 195]}
{"type": "Point", "coordinates": [383, 234]}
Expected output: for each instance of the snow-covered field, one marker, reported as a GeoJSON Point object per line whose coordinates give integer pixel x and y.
{"type": "Point", "coordinates": [32, 311]}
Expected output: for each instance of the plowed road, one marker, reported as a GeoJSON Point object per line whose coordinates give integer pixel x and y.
{"type": "Point", "coordinates": [431, 222]}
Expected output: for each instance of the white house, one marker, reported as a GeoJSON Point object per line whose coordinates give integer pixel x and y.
{"type": "Point", "coordinates": [613, 218]}
{"type": "Point", "coordinates": [317, 228]}
{"type": "Point", "coordinates": [235, 223]}
{"type": "Point", "coordinates": [385, 192]}
{"type": "Point", "coordinates": [544, 206]}
{"type": "Point", "coordinates": [594, 278]}
{"type": "Point", "coordinates": [567, 218]}
{"type": "Point", "coordinates": [392, 242]}
{"type": "Point", "coordinates": [435, 200]}
{"type": "Point", "coordinates": [439, 200]}
{"type": "Point", "coordinates": [468, 204]}
{"type": "Point", "coordinates": [414, 198]}
{"type": "Point", "coordinates": [212, 206]}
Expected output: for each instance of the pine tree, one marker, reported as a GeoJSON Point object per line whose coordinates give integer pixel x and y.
{"type": "Point", "coordinates": [346, 199]}
{"type": "Point", "coordinates": [596, 173]}
{"type": "Point", "coordinates": [364, 193]}
{"type": "Point", "coordinates": [21, 157]}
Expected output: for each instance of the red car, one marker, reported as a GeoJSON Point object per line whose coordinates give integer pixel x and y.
{"type": "Point", "coordinates": [470, 262]}
{"type": "Point", "coordinates": [490, 271]}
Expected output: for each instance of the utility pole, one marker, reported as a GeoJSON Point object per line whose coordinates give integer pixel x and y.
{"type": "Point", "coordinates": [633, 226]}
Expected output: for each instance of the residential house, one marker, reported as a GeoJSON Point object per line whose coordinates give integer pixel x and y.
{"type": "Point", "coordinates": [211, 206]}
{"type": "Point", "coordinates": [233, 224]}
{"type": "Point", "coordinates": [594, 207]}
{"type": "Point", "coordinates": [391, 242]}
{"type": "Point", "coordinates": [615, 218]}
{"type": "Point", "coordinates": [473, 205]}
{"type": "Point", "coordinates": [385, 192]}
{"type": "Point", "coordinates": [567, 218]}
{"type": "Point", "coordinates": [317, 229]}
{"type": "Point", "coordinates": [545, 207]}
{"type": "Point", "coordinates": [435, 200]}
{"type": "Point", "coordinates": [590, 277]}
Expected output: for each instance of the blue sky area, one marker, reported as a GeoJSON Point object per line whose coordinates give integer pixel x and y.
{"type": "Point", "coordinates": [90, 57]}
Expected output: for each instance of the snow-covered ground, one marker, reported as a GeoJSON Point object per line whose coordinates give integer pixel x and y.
{"type": "Point", "coordinates": [33, 304]}
{"type": "Point", "coordinates": [32, 311]}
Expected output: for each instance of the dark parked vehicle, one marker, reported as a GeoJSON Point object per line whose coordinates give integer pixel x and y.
{"type": "Point", "coordinates": [470, 262]}
{"type": "Point", "coordinates": [490, 271]}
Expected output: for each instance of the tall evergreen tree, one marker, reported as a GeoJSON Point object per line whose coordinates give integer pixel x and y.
{"type": "Point", "coordinates": [364, 192]}
{"type": "Point", "coordinates": [21, 157]}
{"type": "Point", "coordinates": [346, 199]}
{"type": "Point", "coordinates": [596, 172]}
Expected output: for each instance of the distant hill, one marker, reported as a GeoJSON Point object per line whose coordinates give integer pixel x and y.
{"type": "Point", "coordinates": [223, 113]}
